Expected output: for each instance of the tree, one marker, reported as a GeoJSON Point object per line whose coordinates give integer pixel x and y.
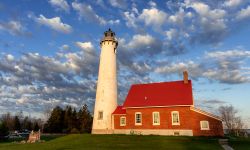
{"type": "Point", "coordinates": [36, 127]}
{"type": "Point", "coordinates": [17, 124]}
{"type": "Point", "coordinates": [4, 131]}
{"type": "Point", "coordinates": [85, 119]}
{"type": "Point", "coordinates": [55, 122]}
{"type": "Point", "coordinates": [232, 122]}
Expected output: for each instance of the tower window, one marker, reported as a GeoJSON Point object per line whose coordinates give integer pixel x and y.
{"type": "Point", "coordinates": [100, 115]}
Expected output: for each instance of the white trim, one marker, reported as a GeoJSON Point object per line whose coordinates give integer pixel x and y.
{"type": "Point", "coordinates": [156, 112]}
{"type": "Point", "coordinates": [182, 132]}
{"type": "Point", "coordinates": [119, 114]}
{"type": "Point", "coordinates": [205, 121]}
{"type": "Point", "coordinates": [121, 121]}
{"type": "Point", "coordinates": [138, 124]}
{"type": "Point", "coordinates": [205, 113]}
{"type": "Point", "coordinates": [157, 106]}
{"type": "Point", "coordinates": [178, 115]}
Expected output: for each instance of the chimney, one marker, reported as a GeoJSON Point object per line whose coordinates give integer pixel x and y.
{"type": "Point", "coordinates": [185, 77]}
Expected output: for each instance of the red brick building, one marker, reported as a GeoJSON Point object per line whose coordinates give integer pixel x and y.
{"type": "Point", "coordinates": [165, 108]}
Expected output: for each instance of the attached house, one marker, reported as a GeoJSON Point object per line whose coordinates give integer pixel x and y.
{"type": "Point", "coordinates": [165, 108]}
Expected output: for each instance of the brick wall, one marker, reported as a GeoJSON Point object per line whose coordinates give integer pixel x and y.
{"type": "Point", "coordinates": [189, 120]}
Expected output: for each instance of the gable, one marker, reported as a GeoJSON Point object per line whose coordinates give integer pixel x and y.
{"type": "Point", "coordinates": [160, 94]}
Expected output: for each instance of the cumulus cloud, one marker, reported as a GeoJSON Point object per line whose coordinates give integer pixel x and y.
{"type": "Point", "coordinates": [153, 16]}
{"type": "Point", "coordinates": [13, 27]}
{"type": "Point", "coordinates": [232, 3]}
{"type": "Point", "coordinates": [53, 23]}
{"type": "Point", "coordinates": [221, 66]}
{"type": "Point", "coordinates": [85, 46]}
{"type": "Point", "coordinates": [60, 5]}
{"type": "Point", "coordinates": [86, 12]}
{"type": "Point", "coordinates": [243, 13]}
{"type": "Point", "coordinates": [118, 3]}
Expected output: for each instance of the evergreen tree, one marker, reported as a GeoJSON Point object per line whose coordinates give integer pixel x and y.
{"type": "Point", "coordinates": [68, 119]}
{"type": "Point", "coordinates": [55, 122]}
{"type": "Point", "coordinates": [17, 124]}
{"type": "Point", "coordinates": [4, 131]}
{"type": "Point", "coordinates": [36, 127]}
{"type": "Point", "coordinates": [85, 119]}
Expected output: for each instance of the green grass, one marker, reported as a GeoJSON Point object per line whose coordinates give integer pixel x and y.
{"type": "Point", "coordinates": [88, 141]}
{"type": "Point", "coordinates": [240, 143]}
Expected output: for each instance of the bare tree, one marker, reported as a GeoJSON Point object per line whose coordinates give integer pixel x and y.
{"type": "Point", "coordinates": [232, 122]}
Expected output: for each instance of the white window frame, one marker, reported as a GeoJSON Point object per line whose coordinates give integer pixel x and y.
{"type": "Point", "coordinates": [202, 128]}
{"type": "Point", "coordinates": [175, 123]}
{"type": "Point", "coordinates": [135, 118]}
{"type": "Point", "coordinates": [123, 124]}
{"type": "Point", "coordinates": [153, 115]}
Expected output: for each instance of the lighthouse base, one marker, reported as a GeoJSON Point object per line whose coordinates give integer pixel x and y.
{"type": "Point", "coordinates": [102, 131]}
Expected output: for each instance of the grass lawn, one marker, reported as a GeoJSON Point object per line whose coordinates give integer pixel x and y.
{"type": "Point", "coordinates": [240, 143]}
{"type": "Point", "coordinates": [88, 141]}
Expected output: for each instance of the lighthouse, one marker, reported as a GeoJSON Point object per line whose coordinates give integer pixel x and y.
{"type": "Point", "coordinates": [106, 92]}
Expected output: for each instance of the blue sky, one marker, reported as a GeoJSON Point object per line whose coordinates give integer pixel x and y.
{"type": "Point", "coordinates": [49, 50]}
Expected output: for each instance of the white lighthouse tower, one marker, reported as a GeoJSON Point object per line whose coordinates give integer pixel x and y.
{"type": "Point", "coordinates": [106, 92]}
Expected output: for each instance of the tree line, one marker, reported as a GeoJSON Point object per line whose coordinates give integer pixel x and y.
{"type": "Point", "coordinates": [10, 123]}
{"type": "Point", "coordinates": [69, 120]}
{"type": "Point", "coordinates": [60, 120]}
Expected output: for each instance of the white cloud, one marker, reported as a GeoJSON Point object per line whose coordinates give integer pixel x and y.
{"type": "Point", "coordinates": [152, 4]}
{"type": "Point", "coordinates": [114, 22]}
{"type": "Point", "coordinates": [10, 57]}
{"type": "Point", "coordinates": [232, 3]}
{"type": "Point", "coordinates": [118, 3]}
{"type": "Point", "coordinates": [228, 54]}
{"type": "Point", "coordinates": [86, 46]}
{"type": "Point", "coordinates": [243, 13]}
{"type": "Point", "coordinates": [60, 5]}
{"type": "Point", "coordinates": [153, 17]}
{"type": "Point", "coordinates": [140, 40]}
{"type": "Point", "coordinates": [54, 23]}
{"type": "Point", "coordinates": [86, 11]}
{"type": "Point", "coordinates": [13, 27]}
{"type": "Point", "coordinates": [171, 33]}
{"type": "Point", "coordinates": [178, 17]}
{"type": "Point", "coordinates": [64, 47]}
{"type": "Point", "coordinates": [130, 18]}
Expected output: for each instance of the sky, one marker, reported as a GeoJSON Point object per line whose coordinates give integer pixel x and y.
{"type": "Point", "coordinates": [49, 50]}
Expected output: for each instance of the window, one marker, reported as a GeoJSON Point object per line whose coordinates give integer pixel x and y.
{"type": "Point", "coordinates": [138, 119]}
{"type": "Point", "coordinates": [156, 118]}
{"type": "Point", "coordinates": [100, 115]}
{"type": "Point", "coordinates": [175, 118]}
{"type": "Point", "coordinates": [204, 125]}
{"type": "Point", "coordinates": [122, 121]}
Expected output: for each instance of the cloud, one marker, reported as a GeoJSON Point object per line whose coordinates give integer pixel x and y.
{"type": "Point", "coordinates": [224, 67]}
{"type": "Point", "coordinates": [232, 3]}
{"type": "Point", "coordinates": [243, 13]}
{"type": "Point", "coordinates": [53, 23]}
{"type": "Point", "coordinates": [118, 3]}
{"type": "Point", "coordinates": [86, 11]}
{"type": "Point", "coordinates": [65, 47]}
{"type": "Point", "coordinates": [85, 46]}
{"type": "Point", "coordinates": [60, 5]}
{"type": "Point", "coordinates": [13, 27]}
{"type": "Point", "coordinates": [153, 17]}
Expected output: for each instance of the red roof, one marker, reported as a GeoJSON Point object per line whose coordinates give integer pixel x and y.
{"type": "Point", "coordinates": [160, 94]}
{"type": "Point", "coordinates": [119, 110]}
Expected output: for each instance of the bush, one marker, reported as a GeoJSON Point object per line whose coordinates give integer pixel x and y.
{"type": "Point", "coordinates": [4, 131]}
{"type": "Point", "coordinates": [74, 131]}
